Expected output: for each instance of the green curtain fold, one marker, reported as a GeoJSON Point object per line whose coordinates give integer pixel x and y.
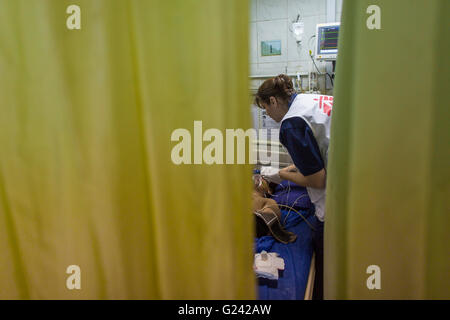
{"type": "Point", "coordinates": [388, 177]}
{"type": "Point", "coordinates": [86, 176]}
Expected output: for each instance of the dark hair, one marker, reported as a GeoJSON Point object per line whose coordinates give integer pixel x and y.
{"type": "Point", "coordinates": [279, 87]}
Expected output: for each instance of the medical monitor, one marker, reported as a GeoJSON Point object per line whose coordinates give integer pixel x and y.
{"type": "Point", "coordinates": [327, 41]}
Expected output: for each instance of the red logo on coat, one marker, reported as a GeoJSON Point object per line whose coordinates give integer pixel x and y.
{"type": "Point", "coordinates": [325, 104]}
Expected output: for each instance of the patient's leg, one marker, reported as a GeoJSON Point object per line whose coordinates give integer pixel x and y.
{"type": "Point", "coordinates": [265, 205]}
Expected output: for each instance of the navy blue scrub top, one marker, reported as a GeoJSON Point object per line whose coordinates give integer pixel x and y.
{"type": "Point", "coordinates": [298, 138]}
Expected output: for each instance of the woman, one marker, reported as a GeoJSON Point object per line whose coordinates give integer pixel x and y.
{"type": "Point", "coordinates": [305, 132]}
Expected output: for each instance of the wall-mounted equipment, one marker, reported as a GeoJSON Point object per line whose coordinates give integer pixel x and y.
{"type": "Point", "coordinates": [327, 41]}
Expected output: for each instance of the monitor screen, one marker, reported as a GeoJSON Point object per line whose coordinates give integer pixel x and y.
{"type": "Point", "coordinates": [327, 37]}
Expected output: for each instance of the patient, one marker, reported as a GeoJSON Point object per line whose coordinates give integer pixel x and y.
{"type": "Point", "coordinates": [268, 213]}
{"type": "Point", "coordinates": [294, 204]}
{"type": "Point", "coordinates": [260, 191]}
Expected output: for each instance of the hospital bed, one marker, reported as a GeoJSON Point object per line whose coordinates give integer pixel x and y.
{"type": "Point", "coordinates": [295, 282]}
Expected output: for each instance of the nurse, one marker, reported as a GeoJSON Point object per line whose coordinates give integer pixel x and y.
{"type": "Point", "coordinates": [305, 133]}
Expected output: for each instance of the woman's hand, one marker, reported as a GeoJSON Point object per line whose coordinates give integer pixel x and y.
{"type": "Point", "coordinates": [291, 168]}
{"type": "Point", "coordinates": [316, 180]}
{"type": "Point", "coordinates": [271, 174]}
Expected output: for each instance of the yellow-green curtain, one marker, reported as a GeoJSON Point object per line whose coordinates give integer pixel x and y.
{"type": "Point", "coordinates": [389, 175]}
{"type": "Point", "coordinates": [86, 176]}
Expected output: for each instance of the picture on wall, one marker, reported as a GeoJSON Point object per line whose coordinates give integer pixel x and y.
{"type": "Point", "coordinates": [271, 48]}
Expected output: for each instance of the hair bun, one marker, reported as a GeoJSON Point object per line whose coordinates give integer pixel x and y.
{"type": "Point", "coordinates": [284, 83]}
{"type": "Point", "coordinates": [280, 86]}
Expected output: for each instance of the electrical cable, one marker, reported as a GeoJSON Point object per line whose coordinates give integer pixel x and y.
{"type": "Point", "coordinates": [321, 73]}
{"type": "Point", "coordinates": [312, 59]}
{"type": "Point", "coordinates": [302, 216]}
{"type": "Point", "coordinates": [282, 205]}
{"type": "Point", "coordinates": [293, 204]}
{"type": "Point", "coordinates": [290, 207]}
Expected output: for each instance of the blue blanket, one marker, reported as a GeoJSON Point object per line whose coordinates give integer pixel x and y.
{"type": "Point", "coordinates": [292, 282]}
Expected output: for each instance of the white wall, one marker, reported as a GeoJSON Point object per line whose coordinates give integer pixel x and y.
{"type": "Point", "coordinates": [271, 19]}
